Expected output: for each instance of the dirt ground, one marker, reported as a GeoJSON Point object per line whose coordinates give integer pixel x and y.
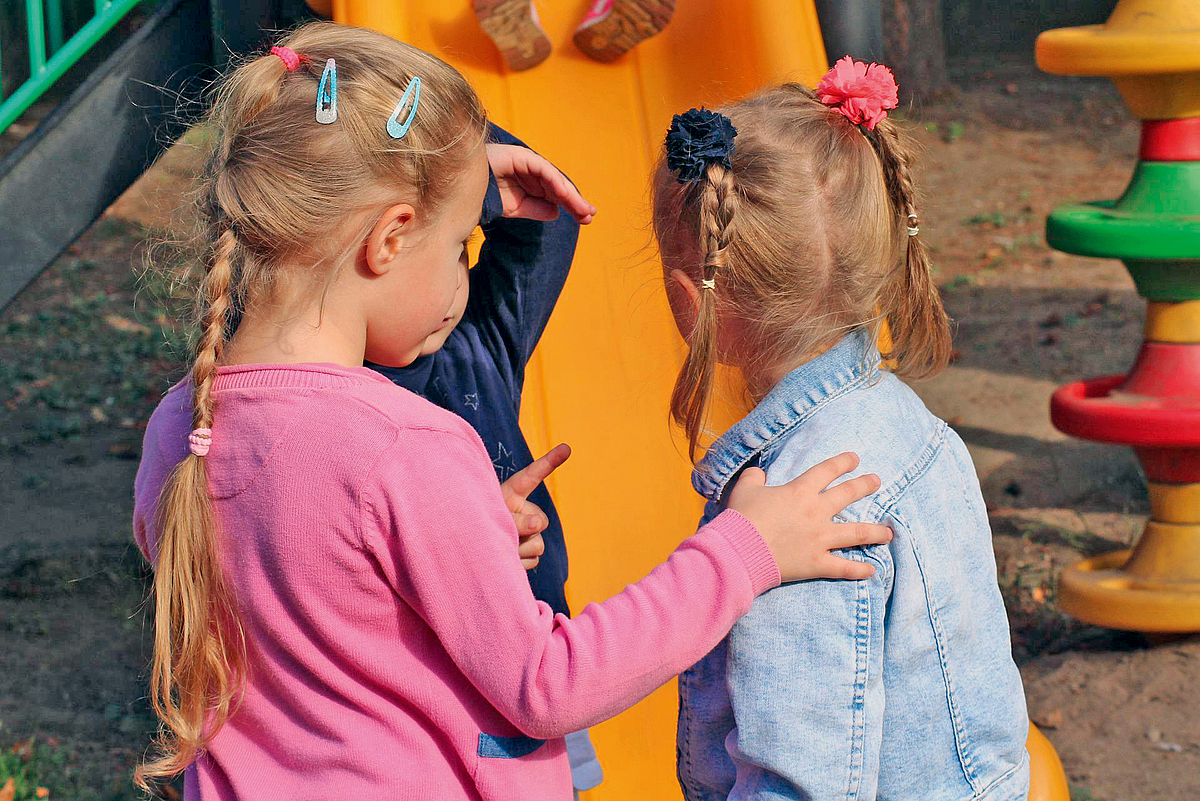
{"type": "Point", "coordinates": [82, 363]}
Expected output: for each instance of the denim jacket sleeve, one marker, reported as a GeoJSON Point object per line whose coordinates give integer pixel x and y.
{"type": "Point", "coordinates": [521, 270]}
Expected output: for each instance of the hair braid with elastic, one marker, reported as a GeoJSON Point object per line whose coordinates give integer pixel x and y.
{"type": "Point", "coordinates": [197, 633]}
{"type": "Point", "coordinates": [917, 321]}
{"type": "Point", "coordinates": [718, 204]}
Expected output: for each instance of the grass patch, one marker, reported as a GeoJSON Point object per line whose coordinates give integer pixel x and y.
{"type": "Point", "coordinates": [32, 770]}
{"type": "Point", "coordinates": [96, 346]}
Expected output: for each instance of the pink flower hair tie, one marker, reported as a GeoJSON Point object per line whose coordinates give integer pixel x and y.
{"type": "Point", "coordinates": [200, 440]}
{"type": "Point", "coordinates": [860, 92]}
{"type": "Point", "coordinates": [290, 57]}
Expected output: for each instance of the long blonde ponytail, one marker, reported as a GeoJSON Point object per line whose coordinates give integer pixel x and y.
{"type": "Point", "coordinates": [199, 647]}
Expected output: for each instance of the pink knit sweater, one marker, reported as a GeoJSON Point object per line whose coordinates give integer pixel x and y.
{"type": "Point", "coordinates": [396, 651]}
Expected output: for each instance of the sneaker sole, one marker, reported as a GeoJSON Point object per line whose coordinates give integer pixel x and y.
{"type": "Point", "coordinates": [628, 22]}
{"type": "Point", "coordinates": [517, 35]}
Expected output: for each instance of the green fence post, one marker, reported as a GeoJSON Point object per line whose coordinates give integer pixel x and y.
{"type": "Point", "coordinates": [35, 30]}
{"type": "Point", "coordinates": [54, 22]}
{"type": "Point", "coordinates": [43, 72]}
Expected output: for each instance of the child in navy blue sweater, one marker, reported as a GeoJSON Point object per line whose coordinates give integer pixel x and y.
{"type": "Point", "coordinates": [480, 370]}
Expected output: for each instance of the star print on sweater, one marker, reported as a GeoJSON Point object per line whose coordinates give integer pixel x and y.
{"type": "Point", "coordinates": [504, 463]}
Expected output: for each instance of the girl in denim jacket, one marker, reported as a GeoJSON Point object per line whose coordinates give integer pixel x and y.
{"type": "Point", "coordinates": [789, 236]}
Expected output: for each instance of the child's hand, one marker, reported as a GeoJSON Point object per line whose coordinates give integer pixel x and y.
{"type": "Point", "coordinates": [533, 188]}
{"type": "Point", "coordinates": [795, 519]}
{"type": "Point", "coordinates": [531, 521]}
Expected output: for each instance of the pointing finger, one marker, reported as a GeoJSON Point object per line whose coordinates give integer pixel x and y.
{"type": "Point", "coordinates": [526, 480]}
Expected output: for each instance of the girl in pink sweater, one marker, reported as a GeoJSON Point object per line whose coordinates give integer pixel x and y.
{"type": "Point", "coordinates": [340, 607]}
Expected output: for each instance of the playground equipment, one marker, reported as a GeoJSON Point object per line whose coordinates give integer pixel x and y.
{"type": "Point", "coordinates": [103, 135]}
{"type": "Point", "coordinates": [1151, 50]}
{"type": "Point", "coordinates": [1047, 779]}
{"type": "Point", "coordinates": [602, 123]}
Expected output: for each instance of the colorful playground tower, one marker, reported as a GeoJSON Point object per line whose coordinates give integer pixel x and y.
{"type": "Point", "coordinates": [1151, 50]}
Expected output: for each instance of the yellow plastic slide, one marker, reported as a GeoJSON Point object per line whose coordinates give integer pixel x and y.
{"type": "Point", "coordinates": [601, 378]}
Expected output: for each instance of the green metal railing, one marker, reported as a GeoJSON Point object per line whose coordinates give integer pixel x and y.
{"type": "Point", "coordinates": [44, 22]}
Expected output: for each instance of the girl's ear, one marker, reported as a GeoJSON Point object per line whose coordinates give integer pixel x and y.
{"type": "Point", "coordinates": [684, 297]}
{"type": "Point", "coordinates": [389, 236]}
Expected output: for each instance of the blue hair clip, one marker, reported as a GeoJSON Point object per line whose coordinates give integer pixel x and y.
{"type": "Point", "coordinates": [395, 128]}
{"type": "Point", "coordinates": [327, 94]}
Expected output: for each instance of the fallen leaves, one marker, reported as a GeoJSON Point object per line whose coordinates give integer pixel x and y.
{"type": "Point", "coordinates": [125, 324]}
{"type": "Point", "coordinates": [23, 392]}
{"type": "Point", "coordinates": [9, 791]}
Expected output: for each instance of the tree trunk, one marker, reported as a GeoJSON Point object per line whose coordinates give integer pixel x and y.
{"type": "Point", "coordinates": [916, 49]}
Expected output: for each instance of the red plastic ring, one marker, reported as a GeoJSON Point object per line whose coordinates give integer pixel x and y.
{"type": "Point", "coordinates": [1085, 409]}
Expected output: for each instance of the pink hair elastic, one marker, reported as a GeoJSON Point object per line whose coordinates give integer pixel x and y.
{"type": "Point", "coordinates": [200, 440]}
{"type": "Point", "coordinates": [290, 57]}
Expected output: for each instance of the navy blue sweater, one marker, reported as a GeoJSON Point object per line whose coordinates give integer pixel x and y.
{"type": "Point", "coordinates": [478, 374]}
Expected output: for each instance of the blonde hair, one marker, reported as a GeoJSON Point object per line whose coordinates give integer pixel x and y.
{"type": "Point", "coordinates": [277, 192]}
{"type": "Point", "coordinates": [804, 238]}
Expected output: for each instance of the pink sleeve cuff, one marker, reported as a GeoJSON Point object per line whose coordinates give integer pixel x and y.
{"type": "Point", "coordinates": [749, 545]}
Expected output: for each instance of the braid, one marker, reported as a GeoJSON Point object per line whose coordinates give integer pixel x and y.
{"type": "Point", "coordinates": [718, 210]}
{"type": "Point", "coordinates": [919, 326]}
{"type": "Point", "coordinates": [217, 298]}
{"type": "Point", "coordinates": [199, 646]}
{"type": "Point", "coordinates": [718, 205]}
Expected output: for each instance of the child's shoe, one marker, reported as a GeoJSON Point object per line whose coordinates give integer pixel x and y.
{"type": "Point", "coordinates": [613, 27]}
{"type": "Point", "coordinates": [513, 25]}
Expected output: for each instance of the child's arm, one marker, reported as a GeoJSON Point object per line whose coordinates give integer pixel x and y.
{"type": "Point", "coordinates": [446, 544]}
{"type": "Point", "coordinates": [522, 266]}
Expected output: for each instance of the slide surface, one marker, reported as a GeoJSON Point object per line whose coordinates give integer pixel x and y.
{"type": "Point", "coordinates": [601, 378]}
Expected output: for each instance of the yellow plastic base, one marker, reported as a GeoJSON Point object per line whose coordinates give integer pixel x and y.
{"type": "Point", "coordinates": [1101, 592]}
{"type": "Point", "coordinates": [1047, 779]}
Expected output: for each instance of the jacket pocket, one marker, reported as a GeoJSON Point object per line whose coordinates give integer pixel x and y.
{"type": "Point", "coordinates": [493, 747]}
{"type": "Point", "coordinates": [522, 767]}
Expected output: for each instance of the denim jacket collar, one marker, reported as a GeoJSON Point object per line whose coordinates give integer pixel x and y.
{"type": "Point", "coordinates": [848, 363]}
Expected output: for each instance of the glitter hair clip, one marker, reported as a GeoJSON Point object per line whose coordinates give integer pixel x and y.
{"type": "Point", "coordinates": [289, 57]}
{"type": "Point", "coordinates": [327, 94]}
{"type": "Point", "coordinates": [395, 128]}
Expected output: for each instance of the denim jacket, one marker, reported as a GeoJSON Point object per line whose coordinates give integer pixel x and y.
{"type": "Point", "coordinates": [899, 687]}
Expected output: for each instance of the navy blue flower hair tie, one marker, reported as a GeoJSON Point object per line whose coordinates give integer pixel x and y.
{"type": "Point", "coordinates": [696, 139]}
